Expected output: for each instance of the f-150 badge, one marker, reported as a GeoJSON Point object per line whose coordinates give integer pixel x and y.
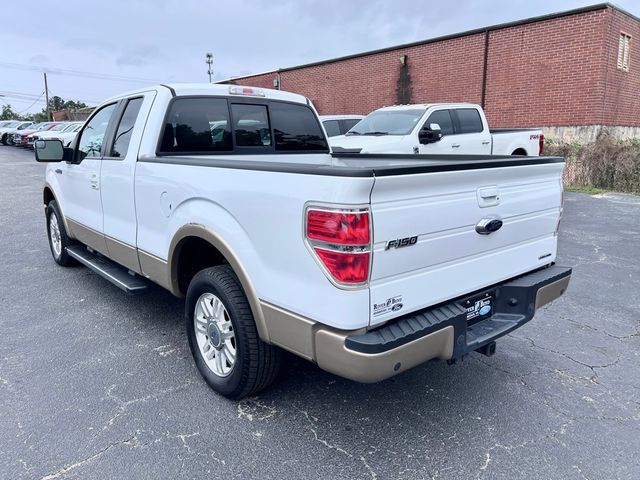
{"type": "Point", "coordinates": [401, 242]}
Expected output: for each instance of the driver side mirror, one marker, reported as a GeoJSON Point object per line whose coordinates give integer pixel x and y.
{"type": "Point", "coordinates": [49, 151]}
{"type": "Point", "coordinates": [430, 134]}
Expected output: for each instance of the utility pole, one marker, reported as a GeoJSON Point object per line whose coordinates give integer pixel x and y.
{"type": "Point", "coordinates": [46, 96]}
{"type": "Point", "coordinates": [209, 61]}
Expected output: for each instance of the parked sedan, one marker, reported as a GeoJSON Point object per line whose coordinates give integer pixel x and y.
{"type": "Point", "coordinates": [339, 124]}
{"type": "Point", "coordinates": [6, 133]}
{"type": "Point", "coordinates": [59, 132]}
{"type": "Point", "coordinates": [20, 139]}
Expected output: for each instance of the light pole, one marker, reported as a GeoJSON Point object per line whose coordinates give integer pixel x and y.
{"type": "Point", "coordinates": [209, 62]}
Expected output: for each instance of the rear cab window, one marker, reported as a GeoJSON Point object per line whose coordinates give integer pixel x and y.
{"type": "Point", "coordinates": [332, 127]}
{"type": "Point", "coordinates": [216, 125]}
{"type": "Point", "coordinates": [469, 120]}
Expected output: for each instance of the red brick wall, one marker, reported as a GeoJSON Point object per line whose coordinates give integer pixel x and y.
{"type": "Point", "coordinates": [556, 72]}
{"type": "Point", "coordinates": [621, 102]}
{"type": "Point", "coordinates": [547, 73]}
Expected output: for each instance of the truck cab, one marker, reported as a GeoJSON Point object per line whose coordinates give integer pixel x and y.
{"type": "Point", "coordinates": [446, 128]}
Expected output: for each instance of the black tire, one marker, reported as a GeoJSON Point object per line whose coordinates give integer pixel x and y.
{"type": "Point", "coordinates": [63, 257]}
{"type": "Point", "coordinates": [4, 139]}
{"type": "Point", "coordinates": [257, 363]}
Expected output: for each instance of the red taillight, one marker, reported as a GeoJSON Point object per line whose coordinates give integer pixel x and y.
{"type": "Point", "coordinates": [341, 242]}
{"type": "Point", "coordinates": [345, 267]}
{"type": "Point", "coordinates": [343, 228]}
{"type": "Point", "coordinates": [540, 144]}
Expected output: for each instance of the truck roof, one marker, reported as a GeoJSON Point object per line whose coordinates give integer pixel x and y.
{"type": "Point", "coordinates": [217, 89]}
{"type": "Point", "coordinates": [414, 106]}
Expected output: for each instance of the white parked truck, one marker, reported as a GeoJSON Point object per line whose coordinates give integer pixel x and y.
{"type": "Point", "coordinates": [444, 128]}
{"type": "Point", "coordinates": [367, 265]}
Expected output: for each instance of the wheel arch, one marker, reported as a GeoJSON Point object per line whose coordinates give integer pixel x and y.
{"type": "Point", "coordinates": [218, 252]}
{"type": "Point", "coordinates": [519, 151]}
{"type": "Point", "coordinates": [47, 197]}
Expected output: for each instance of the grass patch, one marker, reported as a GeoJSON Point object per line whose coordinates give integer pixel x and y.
{"type": "Point", "coordinates": [589, 190]}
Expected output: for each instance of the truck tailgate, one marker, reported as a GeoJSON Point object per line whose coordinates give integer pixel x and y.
{"type": "Point", "coordinates": [449, 258]}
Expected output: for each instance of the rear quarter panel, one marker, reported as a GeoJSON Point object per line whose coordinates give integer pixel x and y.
{"type": "Point", "coordinates": [260, 215]}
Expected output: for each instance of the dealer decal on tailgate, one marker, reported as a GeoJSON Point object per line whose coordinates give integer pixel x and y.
{"type": "Point", "coordinates": [392, 304]}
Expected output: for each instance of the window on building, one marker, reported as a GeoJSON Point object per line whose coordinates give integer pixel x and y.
{"type": "Point", "coordinates": [624, 51]}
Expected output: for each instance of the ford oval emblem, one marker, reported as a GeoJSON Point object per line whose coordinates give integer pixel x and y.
{"type": "Point", "coordinates": [488, 225]}
{"type": "Point", "coordinates": [484, 310]}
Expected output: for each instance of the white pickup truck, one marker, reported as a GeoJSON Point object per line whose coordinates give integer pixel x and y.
{"type": "Point", "coordinates": [367, 265]}
{"type": "Point", "coordinates": [444, 128]}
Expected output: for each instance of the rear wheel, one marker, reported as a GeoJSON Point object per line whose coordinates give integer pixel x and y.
{"type": "Point", "coordinates": [223, 336]}
{"type": "Point", "coordinates": [58, 238]}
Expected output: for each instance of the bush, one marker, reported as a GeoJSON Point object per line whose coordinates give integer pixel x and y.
{"type": "Point", "coordinates": [608, 163]}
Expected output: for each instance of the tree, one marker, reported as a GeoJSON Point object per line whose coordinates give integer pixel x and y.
{"type": "Point", "coordinates": [8, 113]}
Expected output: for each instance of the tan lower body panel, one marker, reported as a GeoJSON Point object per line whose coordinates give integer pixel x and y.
{"type": "Point", "coordinates": [155, 269]}
{"type": "Point", "coordinates": [550, 292]}
{"type": "Point", "coordinates": [326, 347]}
{"type": "Point", "coordinates": [123, 254]}
{"type": "Point", "coordinates": [88, 236]}
{"type": "Point", "coordinates": [334, 357]}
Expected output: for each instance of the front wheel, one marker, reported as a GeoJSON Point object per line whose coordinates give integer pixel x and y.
{"type": "Point", "coordinates": [58, 238]}
{"type": "Point", "coordinates": [223, 336]}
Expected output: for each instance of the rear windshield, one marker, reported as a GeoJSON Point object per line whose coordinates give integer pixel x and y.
{"type": "Point", "coordinates": [388, 122]}
{"type": "Point", "coordinates": [215, 125]}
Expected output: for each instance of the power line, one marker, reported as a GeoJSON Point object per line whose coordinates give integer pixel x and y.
{"type": "Point", "coordinates": [76, 73]}
{"type": "Point", "coordinates": [25, 97]}
{"type": "Point", "coordinates": [22, 111]}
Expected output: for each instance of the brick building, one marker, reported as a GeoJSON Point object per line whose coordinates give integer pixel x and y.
{"type": "Point", "coordinates": [574, 73]}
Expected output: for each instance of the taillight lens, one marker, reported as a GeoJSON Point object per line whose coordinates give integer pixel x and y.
{"type": "Point", "coordinates": [345, 267]}
{"type": "Point", "coordinates": [338, 227]}
{"type": "Point", "coordinates": [540, 143]}
{"type": "Point", "coordinates": [340, 238]}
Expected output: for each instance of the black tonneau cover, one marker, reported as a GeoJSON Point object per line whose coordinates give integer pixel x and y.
{"type": "Point", "coordinates": [357, 164]}
{"type": "Point", "coordinates": [387, 164]}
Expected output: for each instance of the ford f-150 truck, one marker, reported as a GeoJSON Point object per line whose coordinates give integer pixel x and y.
{"type": "Point", "coordinates": [367, 265]}
{"type": "Point", "coordinates": [445, 128]}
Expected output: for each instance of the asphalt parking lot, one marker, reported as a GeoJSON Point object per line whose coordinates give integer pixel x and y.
{"type": "Point", "coordinates": [96, 384]}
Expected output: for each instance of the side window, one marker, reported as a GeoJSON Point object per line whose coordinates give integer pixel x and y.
{"type": "Point", "coordinates": [442, 118]}
{"type": "Point", "coordinates": [125, 128]}
{"type": "Point", "coordinates": [349, 123]}
{"type": "Point", "coordinates": [251, 125]}
{"type": "Point", "coordinates": [332, 127]}
{"type": "Point", "coordinates": [197, 125]}
{"type": "Point", "coordinates": [92, 135]}
{"type": "Point", "coordinates": [296, 128]}
{"type": "Point", "coordinates": [469, 120]}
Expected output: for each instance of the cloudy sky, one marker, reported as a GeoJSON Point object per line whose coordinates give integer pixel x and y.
{"type": "Point", "coordinates": [94, 49]}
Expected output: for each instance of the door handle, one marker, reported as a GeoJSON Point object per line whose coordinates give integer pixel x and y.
{"type": "Point", "coordinates": [455, 145]}
{"type": "Point", "coordinates": [58, 171]}
{"type": "Point", "coordinates": [486, 142]}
